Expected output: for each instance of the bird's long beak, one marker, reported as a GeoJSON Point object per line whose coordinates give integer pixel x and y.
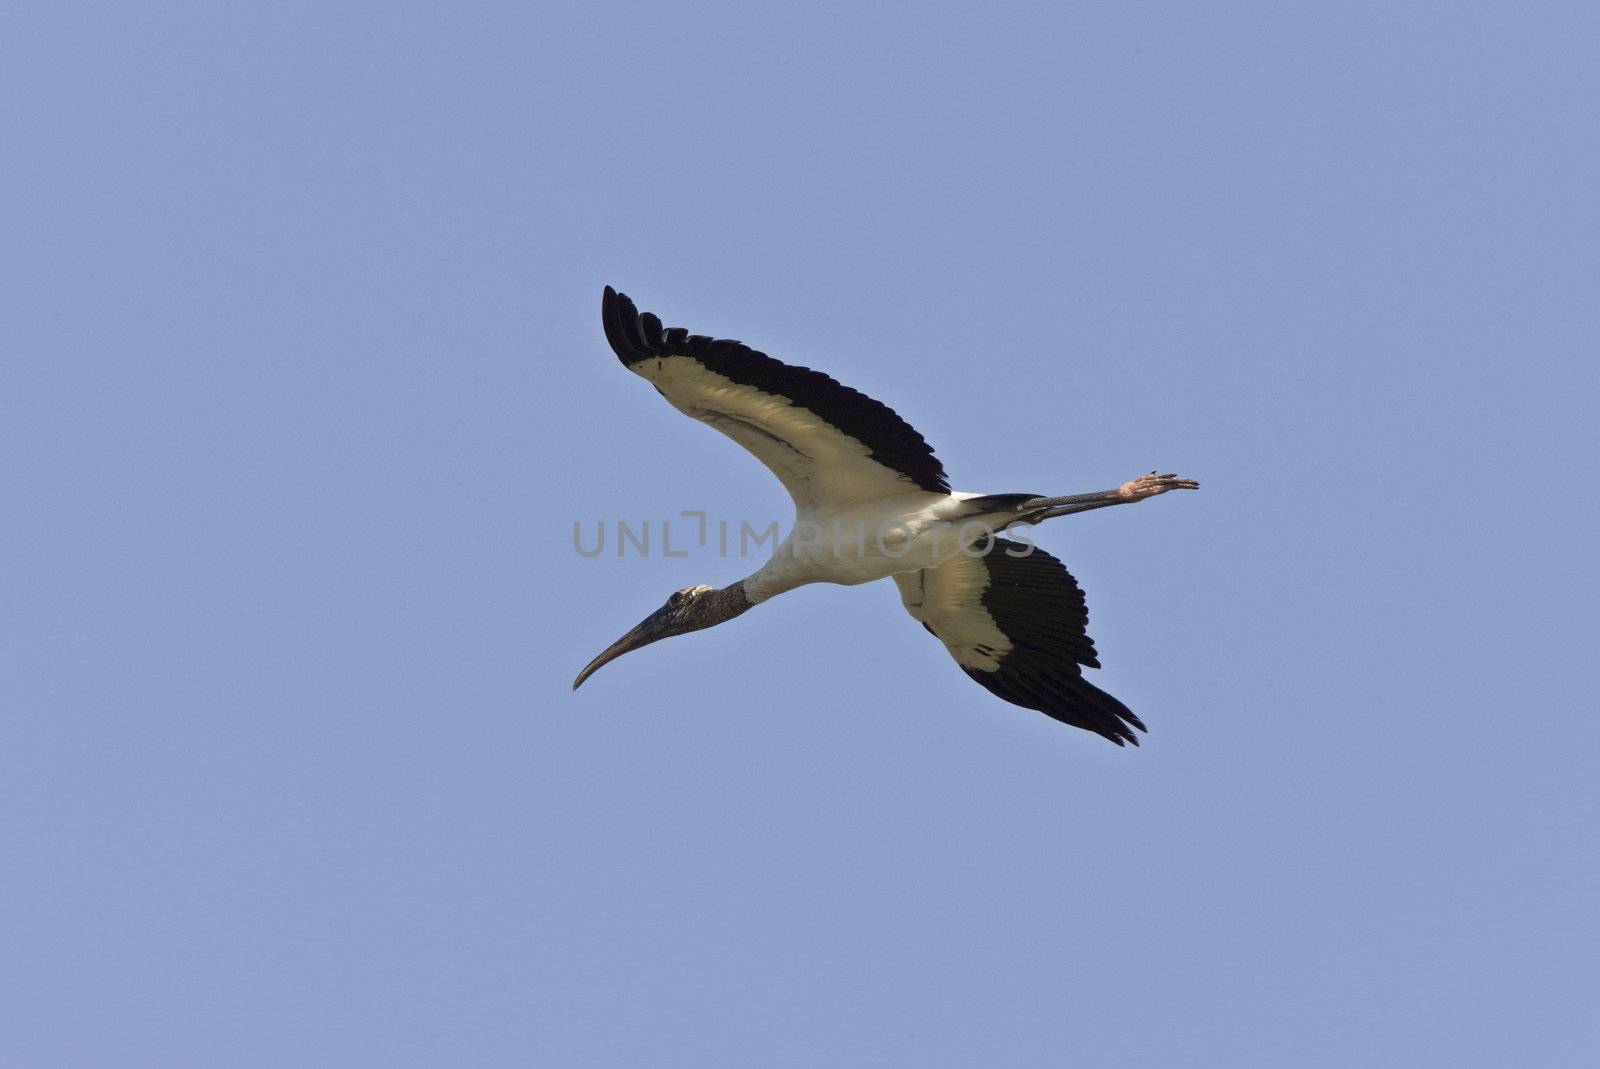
{"type": "Point", "coordinates": [650, 629]}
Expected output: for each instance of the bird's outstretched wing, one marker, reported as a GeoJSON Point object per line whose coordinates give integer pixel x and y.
{"type": "Point", "coordinates": [1016, 624]}
{"type": "Point", "coordinates": [828, 444]}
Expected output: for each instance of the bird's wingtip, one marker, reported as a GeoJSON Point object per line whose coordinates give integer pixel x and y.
{"type": "Point", "coordinates": [613, 302]}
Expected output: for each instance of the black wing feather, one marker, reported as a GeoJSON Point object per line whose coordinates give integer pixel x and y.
{"type": "Point", "coordinates": [893, 442]}
{"type": "Point", "coordinates": [1037, 604]}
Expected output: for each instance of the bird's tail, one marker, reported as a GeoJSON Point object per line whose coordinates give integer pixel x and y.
{"type": "Point", "coordinates": [1002, 502]}
{"type": "Point", "coordinates": [1034, 508]}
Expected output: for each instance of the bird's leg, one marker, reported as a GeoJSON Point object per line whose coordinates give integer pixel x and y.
{"type": "Point", "coordinates": [1047, 508]}
{"type": "Point", "coordinates": [1151, 485]}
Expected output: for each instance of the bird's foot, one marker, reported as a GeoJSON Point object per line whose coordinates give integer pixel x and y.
{"type": "Point", "coordinates": [1151, 485]}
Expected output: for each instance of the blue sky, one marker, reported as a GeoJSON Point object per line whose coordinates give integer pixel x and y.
{"type": "Point", "coordinates": [305, 387]}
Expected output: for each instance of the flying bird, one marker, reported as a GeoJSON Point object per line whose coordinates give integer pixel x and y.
{"type": "Point", "coordinates": [872, 502]}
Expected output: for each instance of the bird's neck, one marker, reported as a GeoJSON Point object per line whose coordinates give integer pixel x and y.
{"type": "Point", "coordinates": [728, 602]}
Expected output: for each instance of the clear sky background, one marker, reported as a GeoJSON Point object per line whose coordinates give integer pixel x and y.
{"type": "Point", "coordinates": [304, 387]}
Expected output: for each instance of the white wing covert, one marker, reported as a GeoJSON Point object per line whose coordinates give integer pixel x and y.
{"type": "Point", "coordinates": [1014, 620]}
{"type": "Point", "coordinates": [829, 445]}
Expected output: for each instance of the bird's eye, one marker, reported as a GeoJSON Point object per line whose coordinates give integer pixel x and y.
{"type": "Point", "coordinates": [676, 599]}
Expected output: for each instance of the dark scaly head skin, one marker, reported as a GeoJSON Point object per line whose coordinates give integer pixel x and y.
{"type": "Point", "coordinates": [693, 608]}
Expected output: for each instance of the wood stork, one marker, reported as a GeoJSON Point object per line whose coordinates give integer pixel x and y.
{"type": "Point", "coordinates": [872, 502]}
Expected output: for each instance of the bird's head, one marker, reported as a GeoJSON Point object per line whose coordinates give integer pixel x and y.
{"type": "Point", "coordinates": [689, 609]}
